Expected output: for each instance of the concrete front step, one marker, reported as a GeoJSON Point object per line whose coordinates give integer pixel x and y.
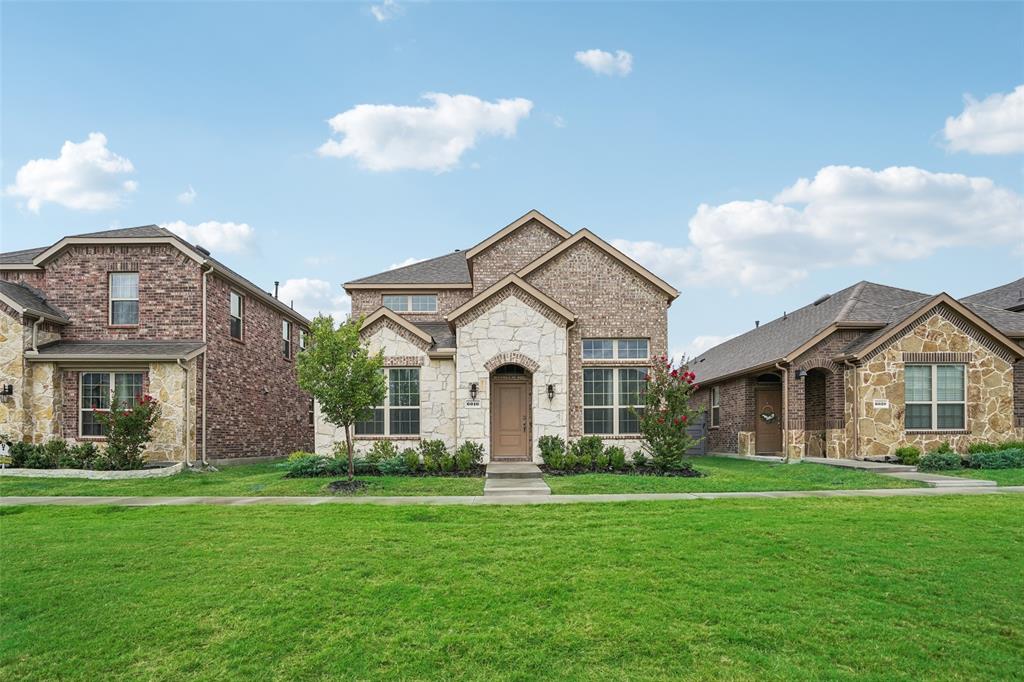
{"type": "Point", "coordinates": [515, 486]}
{"type": "Point", "coordinates": [940, 481]}
{"type": "Point", "coordinates": [513, 470]}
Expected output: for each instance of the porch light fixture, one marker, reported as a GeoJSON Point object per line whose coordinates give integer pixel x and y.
{"type": "Point", "coordinates": [801, 374]}
{"type": "Point", "coordinates": [472, 391]}
{"type": "Point", "coordinates": [551, 391]}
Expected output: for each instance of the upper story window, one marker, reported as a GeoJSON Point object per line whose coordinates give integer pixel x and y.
{"type": "Point", "coordinates": [716, 406]}
{"type": "Point", "coordinates": [303, 339]}
{"type": "Point", "coordinates": [936, 397]}
{"type": "Point", "coordinates": [236, 314]}
{"type": "Point", "coordinates": [411, 303]}
{"type": "Point", "coordinates": [286, 338]}
{"type": "Point", "coordinates": [615, 349]}
{"type": "Point", "coordinates": [124, 299]}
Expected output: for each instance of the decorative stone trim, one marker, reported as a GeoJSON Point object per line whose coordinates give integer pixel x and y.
{"type": "Point", "coordinates": [500, 359]}
{"type": "Point", "coordinates": [404, 361]}
{"type": "Point", "coordinates": [954, 318]}
{"type": "Point", "coordinates": [939, 357]}
{"type": "Point", "coordinates": [500, 296]}
{"type": "Point", "coordinates": [155, 472]}
{"type": "Point", "coordinates": [397, 329]}
{"type": "Point", "coordinates": [380, 437]}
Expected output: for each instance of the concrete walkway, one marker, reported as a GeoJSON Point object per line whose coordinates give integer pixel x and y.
{"type": "Point", "coordinates": [91, 501]}
{"type": "Point", "coordinates": [904, 472]}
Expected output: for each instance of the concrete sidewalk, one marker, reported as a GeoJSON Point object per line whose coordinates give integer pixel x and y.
{"type": "Point", "coordinates": [88, 501]}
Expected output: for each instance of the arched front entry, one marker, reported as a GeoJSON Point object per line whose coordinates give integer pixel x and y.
{"type": "Point", "coordinates": [768, 414]}
{"type": "Point", "coordinates": [511, 413]}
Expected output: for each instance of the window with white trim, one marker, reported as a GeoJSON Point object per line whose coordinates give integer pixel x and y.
{"type": "Point", "coordinates": [124, 298]}
{"type": "Point", "coordinates": [615, 349]}
{"type": "Point", "coordinates": [400, 413]}
{"type": "Point", "coordinates": [716, 406]}
{"type": "Point", "coordinates": [609, 397]}
{"type": "Point", "coordinates": [303, 339]}
{"type": "Point", "coordinates": [286, 338]}
{"type": "Point", "coordinates": [97, 390]}
{"type": "Point", "coordinates": [235, 314]}
{"type": "Point", "coordinates": [935, 397]}
{"type": "Point", "coordinates": [411, 303]}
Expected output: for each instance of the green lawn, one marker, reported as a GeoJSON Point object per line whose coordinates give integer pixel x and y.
{"type": "Point", "coordinates": [1000, 476]}
{"type": "Point", "coordinates": [239, 480]}
{"type": "Point", "coordinates": [799, 589]}
{"type": "Point", "coordinates": [724, 474]}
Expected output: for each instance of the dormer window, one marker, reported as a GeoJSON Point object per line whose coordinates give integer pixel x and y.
{"type": "Point", "coordinates": [411, 303]}
{"type": "Point", "coordinates": [124, 299]}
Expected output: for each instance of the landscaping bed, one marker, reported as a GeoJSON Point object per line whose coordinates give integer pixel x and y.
{"type": "Point", "coordinates": [801, 589]}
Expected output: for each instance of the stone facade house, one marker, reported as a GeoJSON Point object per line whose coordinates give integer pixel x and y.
{"type": "Point", "coordinates": [138, 311]}
{"type": "Point", "coordinates": [534, 331]}
{"type": "Point", "coordinates": [866, 370]}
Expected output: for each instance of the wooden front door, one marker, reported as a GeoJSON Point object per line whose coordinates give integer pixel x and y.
{"type": "Point", "coordinates": [768, 419]}
{"type": "Point", "coordinates": [510, 418]}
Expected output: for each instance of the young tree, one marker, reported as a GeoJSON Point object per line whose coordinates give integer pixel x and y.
{"type": "Point", "coordinates": [667, 413]}
{"type": "Point", "coordinates": [339, 371]}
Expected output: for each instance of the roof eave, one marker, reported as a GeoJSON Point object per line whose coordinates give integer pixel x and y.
{"type": "Point", "coordinates": [417, 286]}
{"type": "Point", "coordinates": [532, 214]}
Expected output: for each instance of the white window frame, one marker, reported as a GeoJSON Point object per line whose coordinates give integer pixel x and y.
{"type": "Point", "coordinates": [935, 402]}
{"type": "Point", "coordinates": [111, 298]}
{"type": "Point", "coordinates": [286, 338]}
{"type": "Point", "coordinates": [408, 306]}
{"type": "Point", "coordinates": [240, 318]}
{"type": "Point", "coordinates": [616, 403]}
{"type": "Point", "coordinates": [112, 382]}
{"type": "Point", "coordinates": [386, 408]}
{"type": "Point", "coordinates": [616, 350]}
{"type": "Point", "coordinates": [303, 339]}
{"type": "Point", "coordinates": [716, 407]}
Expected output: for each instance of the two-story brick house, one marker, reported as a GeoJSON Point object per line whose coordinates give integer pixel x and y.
{"type": "Point", "coordinates": [140, 311]}
{"type": "Point", "coordinates": [534, 331]}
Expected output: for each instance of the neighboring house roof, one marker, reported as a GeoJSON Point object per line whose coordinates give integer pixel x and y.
{"type": "Point", "coordinates": [29, 301]}
{"type": "Point", "coordinates": [511, 280]}
{"type": "Point", "coordinates": [450, 269]}
{"type": "Point", "coordinates": [1006, 297]}
{"type": "Point", "coordinates": [531, 215]}
{"type": "Point", "coordinates": [127, 350]}
{"type": "Point", "coordinates": [1006, 321]}
{"type": "Point", "coordinates": [33, 258]}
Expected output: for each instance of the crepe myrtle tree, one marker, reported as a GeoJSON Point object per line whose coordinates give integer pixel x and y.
{"type": "Point", "coordinates": [667, 413]}
{"type": "Point", "coordinates": [338, 370]}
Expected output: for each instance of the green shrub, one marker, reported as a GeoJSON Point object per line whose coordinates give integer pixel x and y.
{"type": "Point", "coordinates": [381, 450]}
{"type": "Point", "coordinates": [434, 455]}
{"type": "Point", "coordinates": [1000, 459]}
{"type": "Point", "coordinates": [586, 450]}
{"type": "Point", "coordinates": [552, 451]}
{"type": "Point", "coordinates": [616, 457]}
{"type": "Point", "coordinates": [939, 460]}
{"type": "Point", "coordinates": [570, 461]}
{"type": "Point", "coordinates": [981, 447]}
{"type": "Point", "coordinates": [601, 461]}
{"type": "Point", "coordinates": [469, 456]}
{"type": "Point", "coordinates": [307, 465]}
{"type": "Point", "coordinates": [412, 459]}
{"type": "Point", "coordinates": [908, 455]}
{"type": "Point", "coordinates": [942, 449]}
{"type": "Point", "coordinates": [393, 466]}
{"type": "Point", "coordinates": [1011, 445]}
{"type": "Point", "coordinates": [129, 430]}
{"type": "Point", "coordinates": [639, 459]}
{"type": "Point", "coordinates": [81, 456]}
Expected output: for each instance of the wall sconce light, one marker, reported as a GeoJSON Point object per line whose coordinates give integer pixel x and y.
{"type": "Point", "coordinates": [472, 391]}
{"type": "Point", "coordinates": [551, 391]}
{"type": "Point", "coordinates": [801, 374]}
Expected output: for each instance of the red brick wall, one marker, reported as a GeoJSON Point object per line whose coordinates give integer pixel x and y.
{"type": "Point", "coordinates": [255, 407]}
{"type": "Point", "coordinates": [511, 253]}
{"type": "Point", "coordinates": [736, 412]}
{"type": "Point", "coordinates": [365, 301]}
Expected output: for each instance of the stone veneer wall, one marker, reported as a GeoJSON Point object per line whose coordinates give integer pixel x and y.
{"type": "Point", "coordinates": [32, 412]}
{"type": "Point", "coordinates": [512, 322]}
{"type": "Point", "coordinates": [366, 301]}
{"type": "Point", "coordinates": [511, 253]}
{"type": "Point", "coordinates": [989, 389]}
{"type": "Point", "coordinates": [437, 391]}
{"type": "Point", "coordinates": [174, 436]}
{"type": "Point", "coordinates": [12, 371]}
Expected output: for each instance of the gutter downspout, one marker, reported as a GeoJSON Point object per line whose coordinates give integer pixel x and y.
{"type": "Point", "coordinates": [184, 434]}
{"type": "Point", "coordinates": [785, 411]}
{"type": "Point", "coordinates": [856, 409]}
{"type": "Point", "coordinates": [206, 273]}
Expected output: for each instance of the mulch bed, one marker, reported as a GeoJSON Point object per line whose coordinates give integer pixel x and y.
{"type": "Point", "coordinates": [633, 471]}
{"type": "Point", "coordinates": [346, 487]}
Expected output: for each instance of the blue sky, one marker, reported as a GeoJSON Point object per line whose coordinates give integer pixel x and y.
{"type": "Point", "coordinates": [725, 106]}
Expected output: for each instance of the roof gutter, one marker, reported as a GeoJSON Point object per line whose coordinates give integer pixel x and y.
{"type": "Point", "coordinates": [208, 268]}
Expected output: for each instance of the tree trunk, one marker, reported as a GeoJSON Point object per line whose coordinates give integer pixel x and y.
{"type": "Point", "coordinates": [348, 447]}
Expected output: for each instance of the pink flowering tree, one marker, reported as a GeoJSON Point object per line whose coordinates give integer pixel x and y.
{"type": "Point", "coordinates": [667, 413]}
{"type": "Point", "coordinates": [129, 430]}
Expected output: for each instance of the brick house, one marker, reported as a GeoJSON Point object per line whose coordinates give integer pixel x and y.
{"type": "Point", "coordinates": [534, 331]}
{"type": "Point", "coordinates": [139, 310]}
{"type": "Point", "coordinates": [869, 369]}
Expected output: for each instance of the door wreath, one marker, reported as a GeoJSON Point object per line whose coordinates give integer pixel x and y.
{"type": "Point", "coordinates": [768, 414]}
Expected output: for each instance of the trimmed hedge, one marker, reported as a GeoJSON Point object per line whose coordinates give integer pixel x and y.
{"type": "Point", "coordinates": [1000, 459]}
{"type": "Point", "coordinates": [939, 461]}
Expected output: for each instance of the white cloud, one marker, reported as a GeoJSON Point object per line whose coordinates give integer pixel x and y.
{"type": "Point", "coordinates": [214, 235]}
{"type": "Point", "coordinates": [387, 10]}
{"type": "Point", "coordinates": [698, 345]}
{"type": "Point", "coordinates": [995, 125]}
{"type": "Point", "coordinates": [188, 196]}
{"type": "Point", "coordinates": [843, 216]}
{"type": "Point", "coordinates": [408, 261]}
{"type": "Point", "coordinates": [387, 137]}
{"type": "Point", "coordinates": [315, 296]}
{"type": "Point", "coordinates": [86, 176]}
{"type": "Point", "coordinates": [558, 121]}
{"type": "Point", "coordinates": [605, 63]}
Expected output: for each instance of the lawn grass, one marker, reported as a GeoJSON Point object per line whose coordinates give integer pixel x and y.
{"type": "Point", "coordinates": [797, 589]}
{"type": "Point", "coordinates": [724, 474]}
{"type": "Point", "coordinates": [245, 480]}
{"type": "Point", "coordinates": [1000, 476]}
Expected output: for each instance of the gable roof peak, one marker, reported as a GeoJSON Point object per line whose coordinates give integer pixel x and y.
{"type": "Point", "coordinates": [530, 216]}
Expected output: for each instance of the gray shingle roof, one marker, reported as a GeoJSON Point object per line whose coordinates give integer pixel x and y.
{"type": "Point", "coordinates": [448, 269]}
{"type": "Point", "coordinates": [30, 300]}
{"type": "Point", "coordinates": [1009, 323]}
{"type": "Point", "coordinates": [21, 257]}
{"type": "Point", "coordinates": [129, 232]}
{"type": "Point", "coordinates": [864, 302]}
{"type": "Point", "coordinates": [136, 349]}
{"type": "Point", "coordinates": [1007, 297]}
{"type": "Point", "coordinates": [441, 333]}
